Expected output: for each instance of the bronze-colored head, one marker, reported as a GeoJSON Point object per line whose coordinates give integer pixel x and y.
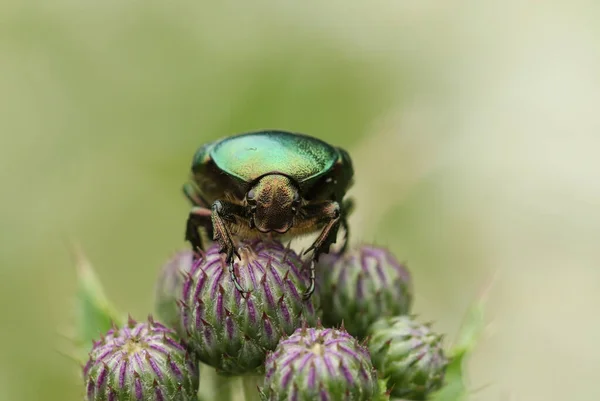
{"type": "Point", "coordinates": [273, 202]}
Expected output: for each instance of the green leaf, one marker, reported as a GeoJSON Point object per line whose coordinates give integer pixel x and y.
{"type": "Point", "coordinates": [455, 388]}
{"type": "Point", "coordinates": [95, 314]}
{"type": "Point", "coordinates": [466, 341]}
{"type": "Point", "coordinates": [471, 330]}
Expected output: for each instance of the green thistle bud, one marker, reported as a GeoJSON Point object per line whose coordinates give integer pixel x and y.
{"type": "Point", "coordinates": [409, 354]}
{"type": "Point", "coordinates": [169, 287]}
{"type": "Point", "coordinates": [361, 286]}
{"type": "Point", "coordinates": [233, 333]}
{"type": "Point", "coordinates": [320, 364]}
{"type": "Point", "coordinates": [141, 362]}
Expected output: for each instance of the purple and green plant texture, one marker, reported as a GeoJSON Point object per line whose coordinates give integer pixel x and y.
{"type": "Point", "coordinates": [143, 361]}
{"type": "Point", "coordinates": [320, 364]}
{"type": "Point", "coordinates": [409, 355]}
{"type": "Point", "coordinates": [233, 333]}
{"type": "Point", "coordinates": [169, 287]}
{"type": "Point", "coordinates": [270, 337]}
{"type": "Point", "coordinates": [361, 286]}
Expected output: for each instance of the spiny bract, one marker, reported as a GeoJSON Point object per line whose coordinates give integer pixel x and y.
{"type": "Point", "coordinates": [319, 364]}
{"type": "Point", "coordinates": [169, 287]}
{"type": "Point", "coordinates": [361, 286]}
{"type": "Point", "coordinates": [233, 333]}
{"type": "Point", "coordinates": [142, 362]}
{"type": "Point", "coordinates": [409, 354]}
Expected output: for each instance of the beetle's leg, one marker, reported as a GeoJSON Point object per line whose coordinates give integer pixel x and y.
{"type": "Point", "coordinates": [222, 213]}
{"type": "Point", "coordinates": [347, 208]}
{"type": "Point", "coordinates": [198, 217]}
{"type": "Point", "coordinates": [311, 287]}
{"type": "Point", "coordinates": [328, 213]}
{"type": "Point", "coordinates": [346, 228]}
{"type": "Point", "coordinates": [190, 192]}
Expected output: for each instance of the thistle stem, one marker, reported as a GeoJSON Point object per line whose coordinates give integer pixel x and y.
{"type": "Point", "coordinates": [250, 383]}
{"type": "Point", "coordinates": [224, 387]}
{"type": "Point", "coordinates": [221, 387]}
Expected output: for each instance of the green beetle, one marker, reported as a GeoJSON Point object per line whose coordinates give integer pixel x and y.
{"type": "Point", "coordinates": [274, 183]}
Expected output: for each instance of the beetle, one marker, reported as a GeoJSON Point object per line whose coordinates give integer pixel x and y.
{"type": "Point", "coordinates": [275, 183]}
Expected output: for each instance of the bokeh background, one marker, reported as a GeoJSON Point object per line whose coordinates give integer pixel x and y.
{"type": "Point", "coordinates": [474, 126]}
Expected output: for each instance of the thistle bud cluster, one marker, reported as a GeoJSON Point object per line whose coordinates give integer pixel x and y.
{"type": "Point", "coordinates": [368, 347]}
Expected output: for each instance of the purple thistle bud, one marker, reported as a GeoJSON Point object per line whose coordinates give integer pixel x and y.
{"type": "Point", "coordinates": [169, 287]}
{"type": "Point", "coordinates": [142, 361]}
{"type": "Point", "coordinates": [319, 364]}
{"type": "Point", "coordinates": [361, 286]}
{"type": "Point", "coordinates": [409, 355]}
{"type": "Point", "coordinates": [233, 333]}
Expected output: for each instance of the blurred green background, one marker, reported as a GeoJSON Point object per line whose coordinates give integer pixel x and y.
{"type": "Point", "coordinates": [473, 126]}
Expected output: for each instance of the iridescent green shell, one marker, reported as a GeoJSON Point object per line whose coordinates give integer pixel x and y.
{"type": "Point", "coordinates": [252, 155]}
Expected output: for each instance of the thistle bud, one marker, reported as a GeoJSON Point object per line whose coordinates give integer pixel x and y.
{"type": "Point", "coordinates": [320, 364]}
{"type": "Point", "coordinates": [169, 287]}
{"type": "Point", "coordinates": [232, 331]}
{"type": "Point", "coordinates": [409, 355]}
{"type": "Point", "coordinates": [361, 286]}
{"type": "Point", "coordinates": [142, 362]}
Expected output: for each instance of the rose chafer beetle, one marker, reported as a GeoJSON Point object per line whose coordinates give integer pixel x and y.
{"type": "Point", "coordinates": [274, 183]}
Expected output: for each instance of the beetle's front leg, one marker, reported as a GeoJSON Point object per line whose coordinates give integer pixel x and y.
{"type": "Point", "coordinates": [327, 213]}
{"type": "Point", "coordinates": [201, 214]}
{"type": "Point", "coordinates": [330, 214]}
{"type": "Point", "coordinates": [198, 217]}
{"type": "Point", "coordinates": [223, 213]}
{"type": "Point", "coordinates": [190, 192]}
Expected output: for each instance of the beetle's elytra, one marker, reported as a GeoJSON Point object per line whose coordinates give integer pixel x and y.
{"type": "Point", "coordinates": [276, 182]}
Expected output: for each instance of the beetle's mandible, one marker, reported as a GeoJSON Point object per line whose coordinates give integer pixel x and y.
{"type": "Point", "coordinates": [275, 183]}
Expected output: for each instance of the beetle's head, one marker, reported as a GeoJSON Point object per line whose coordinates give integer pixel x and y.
{"type": "Point", "coordinates": [273, 202]}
